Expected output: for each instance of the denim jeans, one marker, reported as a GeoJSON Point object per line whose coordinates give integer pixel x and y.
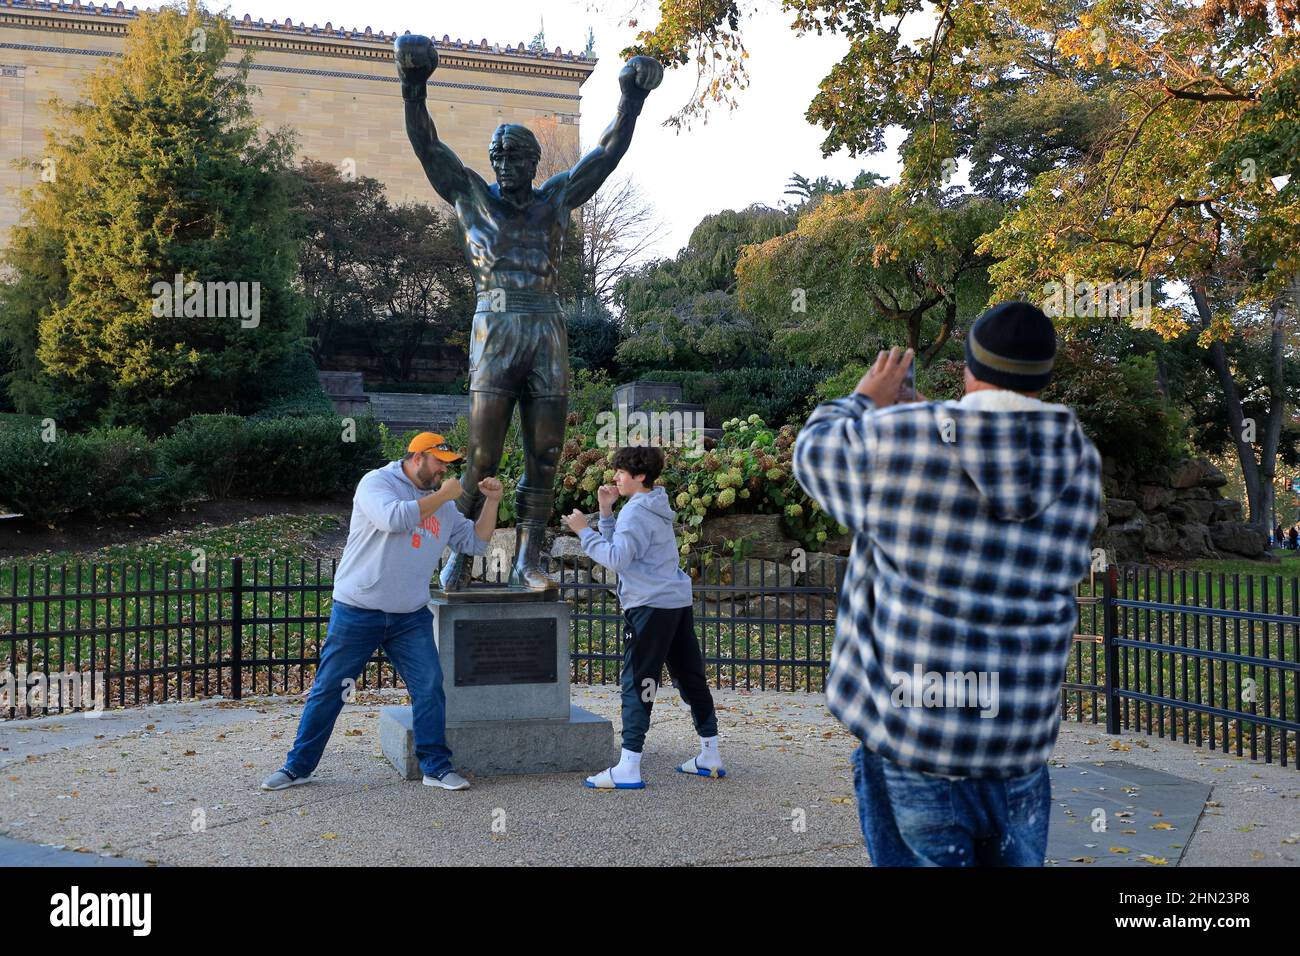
{"type": "Point", "coordinates": [910, 818]}
{"type": "Point", "coordinates": [352, 636]}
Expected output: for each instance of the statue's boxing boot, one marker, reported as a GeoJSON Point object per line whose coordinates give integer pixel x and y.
{"type": "Point", "coordinates": [532, 509]}
{"type": "Point", "coordinates": [458, 570]}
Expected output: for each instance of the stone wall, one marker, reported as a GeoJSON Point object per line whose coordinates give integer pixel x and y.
{"type": "Point", "coordinates": [1176, 513]}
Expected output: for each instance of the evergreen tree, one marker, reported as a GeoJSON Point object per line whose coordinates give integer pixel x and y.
{"type": "Point", "coordinates": [161, 172]}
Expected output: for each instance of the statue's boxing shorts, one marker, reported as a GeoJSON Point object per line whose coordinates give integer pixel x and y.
{"type": "Point", "coordinates": [519, 344]}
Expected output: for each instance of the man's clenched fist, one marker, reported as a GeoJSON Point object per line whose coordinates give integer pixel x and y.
{"type": "Point", "coordinates": [416, 58]}
{"type": "Point", "coordinates": [450, 488]}
{"type": "Point", "coordinates": [641, 75]}
{"type": "Point", "coordinates": [491, 488]}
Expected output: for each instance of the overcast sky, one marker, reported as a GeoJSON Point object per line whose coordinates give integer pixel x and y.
{"type": "Point", "coordinates": [736, 159]}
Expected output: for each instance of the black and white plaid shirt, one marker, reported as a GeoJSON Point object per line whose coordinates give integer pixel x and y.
{"type": "Point", "coordinates": [972, 524]}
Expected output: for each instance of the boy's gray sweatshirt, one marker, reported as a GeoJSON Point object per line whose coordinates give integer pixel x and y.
{"type": "Point", "coordinates": [641, 547]}
{"type": "Point", "coordinates": [389, 559]}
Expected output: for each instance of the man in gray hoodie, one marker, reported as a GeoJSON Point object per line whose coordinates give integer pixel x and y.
{"type": "Point", "coordinates": [655, 595]}
{"type": "Point", "coordinates": [400, 525]}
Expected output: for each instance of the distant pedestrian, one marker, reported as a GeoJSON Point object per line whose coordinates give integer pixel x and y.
{"type": "Point", "coordinates": [1291, 537]}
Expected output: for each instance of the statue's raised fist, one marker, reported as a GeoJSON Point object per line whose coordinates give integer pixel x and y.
{"type": "Point", "coordinates": [640, 75]}
{"type": "Point", "coordinates": [416, 58]}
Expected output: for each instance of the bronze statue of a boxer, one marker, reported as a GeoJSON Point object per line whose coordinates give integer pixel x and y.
{"type": "Point", "coordinates": [514, 235]}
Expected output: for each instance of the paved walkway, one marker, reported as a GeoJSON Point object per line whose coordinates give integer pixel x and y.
{"type": "Point", "coordinates": [177, 784]}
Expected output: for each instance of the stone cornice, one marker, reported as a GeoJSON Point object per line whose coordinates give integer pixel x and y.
{"type": "Point", "coordinates": [311, 41]}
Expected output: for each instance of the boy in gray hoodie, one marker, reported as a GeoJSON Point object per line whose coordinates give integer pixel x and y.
{"type": "Point", "coordinates": [655, 595]}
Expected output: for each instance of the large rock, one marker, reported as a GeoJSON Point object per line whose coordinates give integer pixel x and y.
{"type": "Point", "coordinates": [567, 549]}
{"type": "Point", "coordinates": [1227, 509]}
{"type": "Point", "coordinates": [1197, 472]}
{"type": "Point", "coordinates": [784, 606]}
{"type": "Point", "coordinates": [821, 570]}
{"type": "Point", "coordinates": [1154, 497]}
{"type": "Point", "coordinates": [763, 532]}
{"type": "Point", "coordinates": [602, 593]}
{"type": "Point", "coordinates": [1194, 542]}
{"type": "Point", "coordinates": [1191, 511]}
{"type": "Point", "coordinates": [1238, 538]}
{"type": "Point", "coordinates": [1119, 509]}
{"type": "Point", "coordinates": [1193, 494]}
{"type": "Point", "coordinates": [750, 577]}
{"type": "Point", "coordinates": [1159, 536]}
{"type": "Point", "coordinates": [1126, 540]}
{"type": "Point", "coordinates": [839, 544]}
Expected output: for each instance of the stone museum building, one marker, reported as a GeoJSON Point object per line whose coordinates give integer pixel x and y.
{"type": "Point", "coordinates": [337, 87]}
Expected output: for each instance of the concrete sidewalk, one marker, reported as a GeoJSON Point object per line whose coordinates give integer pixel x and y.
{"type": "Point", "coordinates": [178, 784]}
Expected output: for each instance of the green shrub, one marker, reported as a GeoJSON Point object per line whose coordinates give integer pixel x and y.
{"type": "Point", "coordinates": [293, 391]}
{"type": "Point", "coordinates": [774, 394]}
{"type": "Point", "coordinates": [201, 456]}
{"type": "Point", "coordinates": [305, 457]}
{"type": "Point", "coordinates": [42, 479]}
{"type": "Point", "coordinates": [124, 468]}
{"type": "Point", "coordinates": [749, 471]}
{"type": "Point", "coordinates": [103, 472]}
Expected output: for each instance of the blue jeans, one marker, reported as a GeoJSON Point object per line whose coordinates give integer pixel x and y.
{"type": "Point", "coordinates": [910, 818]}
{"type": "Point", "coordinates": [351, 638]}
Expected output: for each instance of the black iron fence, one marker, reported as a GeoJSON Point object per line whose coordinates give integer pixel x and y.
{"type": "Point", "coordinates": [1208, 659]}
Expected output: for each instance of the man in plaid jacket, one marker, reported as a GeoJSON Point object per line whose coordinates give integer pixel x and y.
{"type": "Point", "coordinates": [972, 522]}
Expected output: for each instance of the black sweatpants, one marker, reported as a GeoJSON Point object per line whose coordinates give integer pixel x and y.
{"type": "Point", "coordinates": [653, 637]}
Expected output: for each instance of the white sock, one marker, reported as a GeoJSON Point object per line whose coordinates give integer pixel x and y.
{"type": "Point", "coordinates": [709, 756]}
{"type": "Point", "coordinates": [628, 768]}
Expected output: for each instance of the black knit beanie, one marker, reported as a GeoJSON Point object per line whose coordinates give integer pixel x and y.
{"type": "Point", "coordinates": [1012, 345]}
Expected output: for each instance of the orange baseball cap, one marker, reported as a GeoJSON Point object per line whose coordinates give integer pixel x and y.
{"type": "Point", "coordinates": [435, 443]}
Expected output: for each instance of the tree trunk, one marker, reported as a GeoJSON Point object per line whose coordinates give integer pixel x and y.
{"type": "Point", "coordinates": [1256, 472]}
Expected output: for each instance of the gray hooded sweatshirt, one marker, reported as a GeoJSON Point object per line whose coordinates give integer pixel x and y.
{"type": "Point", "coordinates": [389, 559]}
{"type": "Point", "coordinates": [640, 546]}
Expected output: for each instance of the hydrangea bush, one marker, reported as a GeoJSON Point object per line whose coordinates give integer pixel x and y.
{"type": "Point", "coordinates": [748, 471]}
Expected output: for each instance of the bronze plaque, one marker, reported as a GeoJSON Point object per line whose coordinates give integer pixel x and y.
{"type": "Point", "coordinates": [522, 651]}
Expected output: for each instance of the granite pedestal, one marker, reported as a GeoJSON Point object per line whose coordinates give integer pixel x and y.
{"type": "Point", "coordinates": [505, 671]}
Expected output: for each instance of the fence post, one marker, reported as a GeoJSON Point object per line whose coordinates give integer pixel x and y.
{"type": "Point", "coordinates": [237, 629]}
{"type": "Point", "coordinates": [1109, 631]}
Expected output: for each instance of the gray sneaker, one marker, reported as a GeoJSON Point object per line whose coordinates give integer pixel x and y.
{"type": "Point", "coordinates": [448, 780]}
{"type": "Point", "coordinates": [282, 779]}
